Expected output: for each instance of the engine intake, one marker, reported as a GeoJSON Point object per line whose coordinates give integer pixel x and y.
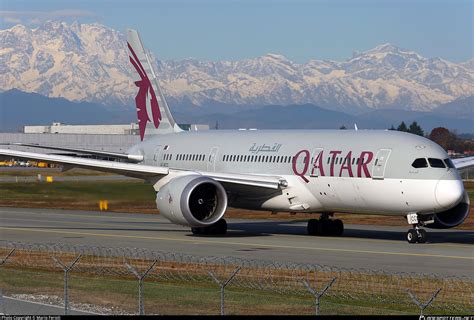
{"type": "Point", "coordinates": [452, 217]}
{"type": "Point", "coordinates": [192, 200]}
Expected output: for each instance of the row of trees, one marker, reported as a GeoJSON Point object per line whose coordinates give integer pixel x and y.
{"type": "Point", "coordinates": [413, 128]}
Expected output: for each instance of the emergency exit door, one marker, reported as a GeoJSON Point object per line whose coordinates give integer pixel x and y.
{"type": "Point", "coordinates": [378, 171]}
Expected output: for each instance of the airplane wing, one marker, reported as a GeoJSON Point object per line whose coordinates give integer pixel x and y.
{"type": "Point", "coordinates": [147, 172]}
{"type": "Point", "coordinates": [115, 155]}
{"type": "Point", "coordinates": [463, 163]}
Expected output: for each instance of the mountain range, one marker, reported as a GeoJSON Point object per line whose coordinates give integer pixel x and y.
{"type": "Point", "coordinates": [89, 63]}
{"type": "Point", "coordinates": [19, 108]}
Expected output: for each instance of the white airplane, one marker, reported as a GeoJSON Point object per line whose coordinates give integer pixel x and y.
{"type": "Point", "coordinates": [197, 175]}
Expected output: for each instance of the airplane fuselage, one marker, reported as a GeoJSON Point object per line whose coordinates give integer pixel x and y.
{"type": "Point", "coordinates": [364, 171]}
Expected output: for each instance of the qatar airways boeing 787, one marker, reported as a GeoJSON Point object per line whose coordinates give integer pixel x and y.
{"type": "Point", "coordinates": [197, 175]}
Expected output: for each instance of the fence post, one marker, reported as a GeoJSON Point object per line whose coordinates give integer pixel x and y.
{"type": "Point", "coordinates": [66, 269]}
{"type": "Point", "coordinates": [3, 310]}
{"type": "Point", "coordinates": [420, 305]}
{"type": "Point", "coordinates": [318, 294]}
{"type": "Point", "coordinates": [141, 277]}
{"type": "Point", "coordinates": [4, 260]}
{"type": "Point", "coordinates": [2, 302]}
{"type": "Point", "coordinates": [224, 284]}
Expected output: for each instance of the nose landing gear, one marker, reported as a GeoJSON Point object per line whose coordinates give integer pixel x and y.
{"type": "Point", "coordinates": [417, 234]}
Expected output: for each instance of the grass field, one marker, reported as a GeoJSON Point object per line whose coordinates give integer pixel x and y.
{"type": "Point", "coordinates": [167, 297]}
{"type": "Point", "coordinates": [136, 196]}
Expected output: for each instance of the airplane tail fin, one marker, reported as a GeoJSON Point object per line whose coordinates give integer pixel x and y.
{"type": "Point", "coordinates": [154, 116]}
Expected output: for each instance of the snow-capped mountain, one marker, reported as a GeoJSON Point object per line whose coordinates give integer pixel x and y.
{"type": "Point", "coordinates": [88, 62]}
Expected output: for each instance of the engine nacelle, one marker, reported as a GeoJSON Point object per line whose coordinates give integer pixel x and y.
{"type": "Point", "coordinates": [452, 217]}
{"type": "Point", "coordinates": [192, 200]}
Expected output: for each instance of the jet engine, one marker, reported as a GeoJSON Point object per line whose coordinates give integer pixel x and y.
{"type": "Point", "coordinates": [192, 200]}
{"type": "Point", "coordinates": [452, 217]}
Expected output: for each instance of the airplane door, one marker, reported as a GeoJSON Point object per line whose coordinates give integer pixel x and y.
{"type": "Point", "coordinates": [378, 171]}
{"type": "Point", "coordinates": [211, 159]}
{"type": "Point", "coordinates": [157, 155]}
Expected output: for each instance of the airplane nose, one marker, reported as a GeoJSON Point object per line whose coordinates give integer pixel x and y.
{"type": "Point", "coordinates": [449, 192]}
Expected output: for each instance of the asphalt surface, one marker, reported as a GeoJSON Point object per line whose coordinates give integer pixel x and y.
{"type": "Point", "coordinates": [13, 306]}
{"type": "Point", "coordinates": [447, 252]}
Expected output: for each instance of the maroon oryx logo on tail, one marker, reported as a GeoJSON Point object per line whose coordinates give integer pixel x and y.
{"type": "Point", "coordinates": [145, 94]}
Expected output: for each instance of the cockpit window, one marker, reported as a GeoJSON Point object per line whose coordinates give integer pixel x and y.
{"type": "Point", "coordinates": [420, 163]}
{"type": "Point", "coordinates": [449, 163]}
{"type": "Point", "coordinates": [436, 163]}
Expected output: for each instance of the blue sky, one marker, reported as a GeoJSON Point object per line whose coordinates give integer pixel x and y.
{"type": "Point", "coordinates": [300, 30]}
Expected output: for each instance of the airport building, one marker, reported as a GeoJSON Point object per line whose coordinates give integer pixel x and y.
{"type": "Point", "coordinates": [114, 138]}
{"type": "Point", "coordinates": [58, 127]}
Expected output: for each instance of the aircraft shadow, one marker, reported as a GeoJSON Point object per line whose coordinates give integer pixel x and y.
{"type": "Point", "coordinates": [297, 228]}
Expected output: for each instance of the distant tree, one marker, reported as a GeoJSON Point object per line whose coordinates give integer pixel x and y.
{"type": "Point", "coordinates": [217, 125]}
{"type": "Point", "coordinates": [343, 127]}
{"type": "Point", "coordinates": [402, 127]}
{"type": "Point", "coordinates": [416, 129]}
{"type": "Point", "coordinates": [392, 128]}
{"type": "Point", "coordinates": [443, 137]}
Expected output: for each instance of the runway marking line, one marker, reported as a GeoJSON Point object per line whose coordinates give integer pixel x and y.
{"type": "Point", "coordinates": [241, 243]}
{"type": "Point", "coordinates": [280, 235]}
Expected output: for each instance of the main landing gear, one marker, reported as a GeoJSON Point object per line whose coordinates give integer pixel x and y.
{"type": "Point", "coordinates": [417, 234]}
{"type": "Point", "coordinates": [218, 228]}
{"type": "Point", "coordinates": [325, 226]}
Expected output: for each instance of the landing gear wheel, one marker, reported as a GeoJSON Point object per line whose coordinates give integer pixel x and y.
{"type": "Point", "coordinates": [196, 230]}
{"type": "Point", "coordinates": [325, 227]}
{"type": "Point", "coordinates": [218, 228]}
{"type": "Point", "coordinates": [338, 227]}
{"type": "Point", "coordinates": [421, 236]}
{"type": "Point", "coordinates": [313, 227]}
{"type": "Point", "coordinates": [412, 236]}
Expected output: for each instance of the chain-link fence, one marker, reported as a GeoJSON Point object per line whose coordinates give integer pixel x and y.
{"type": "Point", "coordinates": [137, 280]}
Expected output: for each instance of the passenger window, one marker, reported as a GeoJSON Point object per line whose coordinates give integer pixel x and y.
{"type": "Point", "coordinates": [436, 163]}
{"type": "Point", "coordinates": [420, 163]}
{"type": "Point", "coordinates": [449, 163]}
